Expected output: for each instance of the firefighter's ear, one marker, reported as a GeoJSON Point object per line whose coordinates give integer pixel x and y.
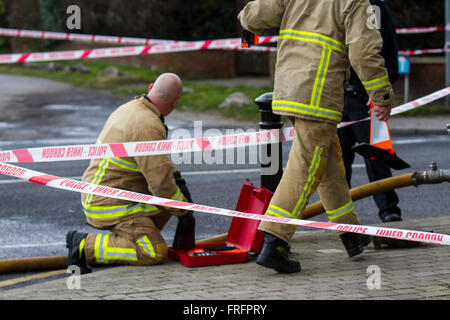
{"type": "Point", "coordinates": [175, 102]}
{"type": "Point", "coordinates": [150, 87]}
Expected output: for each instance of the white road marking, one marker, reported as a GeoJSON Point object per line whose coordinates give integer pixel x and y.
{"type": "Point", "coordinates": [187, 173]}
{"type": "Point", "coordinates": [33, 245]}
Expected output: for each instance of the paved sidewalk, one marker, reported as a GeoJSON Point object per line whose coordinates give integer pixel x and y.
{"type": "Point", "coordinates": [419, 125]}
{"type": "Point", "coordinates": [327, 274]}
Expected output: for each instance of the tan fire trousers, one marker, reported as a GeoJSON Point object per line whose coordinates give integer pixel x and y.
{"type": "Point", "coordinates": [315, 162]}
{"type": "Point", "coordinates": [135, 240]}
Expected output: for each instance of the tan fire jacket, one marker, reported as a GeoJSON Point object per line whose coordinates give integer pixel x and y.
{"type": "Point", "coordinates": [318, 42]}
{"type": "Point", "coordinates": [137, 120]}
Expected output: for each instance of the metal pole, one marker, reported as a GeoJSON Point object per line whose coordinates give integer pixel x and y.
{"type": "Point", "coordinates": [272, 164]}
{"type": "Point", "coordinates": [406, 88]}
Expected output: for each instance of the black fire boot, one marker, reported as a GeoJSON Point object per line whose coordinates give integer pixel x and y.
{"type": "Point", "coordinates": [274, 255]}
{"type": "Point", "coordinates": [364, 239]}
{"type": "Point", "coordinates": [76, 256]}
{"type": "Point", "coordinates": [354, 243]}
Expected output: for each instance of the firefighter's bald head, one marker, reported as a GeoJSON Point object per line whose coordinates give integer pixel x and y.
{"type": "Point", "coordinates": [165, 92]}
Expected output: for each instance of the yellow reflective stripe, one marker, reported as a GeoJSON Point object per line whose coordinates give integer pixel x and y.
{"type": "Point", "coordinates": [81, 247]}
{"type": "Point", "coordinates": [96, 248]}
{"type": "Point", "coordinates": [145, 243]}
{"type": "Point", "coordinates": [104, 254]}
{"type": "Point", "coordinates": [123, 163]}
{"type": "Point", "coordinates": [104, 247]}
{"type": "Point", "coordinates": [301, 108]}
{"type": "Point", "coordinates": [328, 45]}
{"type": "Point", "coordinates": [321, 75]}
{"type": "Point", "coordinates": [178, 196]}
{"type": "Point", "coordinates": [317, 80]}
{"type": "Point", "coordinates": [313, 37]}
{"type": "Point", "coordinates": [101, 242]}
{"type": "Point", "coordinates": [385, 77]}
{"type": "Point", "coordinates": [325, 71]}
{"type": "Point", "coordinates": [106, 212]}
{"type": "Point", "coordinates": [309, 182]}
{"type": "Point", "coordinates": [123, 254]}
{"type": "Point", "coordinates": [341, 211]}
{"type": "Point", "coordinates": [376, 83]}
{"type": "Point", "coordinates": [278, 212]}
{"type": "Point", "coordinates": [98, 176]}
{"type": "Point", "coordinates": [127, 165]}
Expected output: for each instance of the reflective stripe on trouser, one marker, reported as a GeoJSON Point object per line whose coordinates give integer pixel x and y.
{"type": "Point", "coordinates": [120, 211]}
{"type": "Point", "coordinates": [315, 163]}
{"type": "Point", "coordinates": [104, 212]}
{"type": "Point", "coordinates": [135, 241]}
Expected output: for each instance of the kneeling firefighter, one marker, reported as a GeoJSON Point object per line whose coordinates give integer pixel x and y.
{"type": "Point", "coordinates": [135, 228]}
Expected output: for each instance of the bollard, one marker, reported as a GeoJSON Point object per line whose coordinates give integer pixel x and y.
{"type": "Point", "coordinates": [270, 176]}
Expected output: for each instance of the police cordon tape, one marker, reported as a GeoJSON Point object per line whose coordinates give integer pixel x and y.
{"type": "Point", "coordinates": [222, 44]}
{"type": "Point", "coordinates": [89, 188]}
{"type": "Point", "coordinates": [145, 148]}
{"type": "Point", "coordinates": [152, 46]}
{"type": "Point", "coordinates": [417, 30]}
{"type": "Point", "coordinates": [116, 52]}
{"type": "Point", "coordinates": [421, 101]}
{"type": "Point", "coordinates": [177, 146]}
{"type": "Point", "coordinates": [40, 34]}
{"type": "Point", "coordinates": [421, 51]}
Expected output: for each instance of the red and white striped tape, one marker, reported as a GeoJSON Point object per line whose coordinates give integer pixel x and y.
{"type": "Point", "coordinates": [149, 46]}
{"type": "Point", "coordinates": [417, 30]}
{"type": "Point", "coordinates": [156, 48]}
{"type": "Point", "coordinates": [421, 51]}
{"type": "Point", "coordinates": [124, 51]}
{"type": "Point", "coordinates": [89, 188]}
{"type": "Point", "coordinates": [224, 44]}
{"type": "Point", "coordinates": [145, 148]}
{"type": "Point", "coordinates": [38, 34]}
{"type": "Point", "coordinates": [421, 101]}
{"type": "Point", "coordinates": [408, 106]}
{"type": "Point", "coordinates": [177, 146]}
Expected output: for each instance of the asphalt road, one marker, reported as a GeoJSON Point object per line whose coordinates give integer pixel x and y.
{"type": "Point", "coordinates": [34, 219]}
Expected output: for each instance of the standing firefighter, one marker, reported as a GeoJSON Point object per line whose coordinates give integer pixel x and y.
{"type": "Point", "coordinates": [318, 42]}
{"type": "Point", "coordinates": [135, 227]}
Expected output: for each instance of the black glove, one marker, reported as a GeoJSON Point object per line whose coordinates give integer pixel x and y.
{"type": "Point", "coordinates": [185, 234]}
{"type": "Point", "coordinates": [181, 183]}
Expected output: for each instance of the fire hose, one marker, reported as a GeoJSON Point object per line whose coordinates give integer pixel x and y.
{"type": "Point", "coordinates": [431, 176]}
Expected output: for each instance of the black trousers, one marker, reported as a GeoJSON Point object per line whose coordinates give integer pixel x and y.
{"type": "Point", "coordinates": [355, 108]}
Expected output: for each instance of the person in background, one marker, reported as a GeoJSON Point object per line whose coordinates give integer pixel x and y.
{"type": "Point", "coordinates": [356, 107]}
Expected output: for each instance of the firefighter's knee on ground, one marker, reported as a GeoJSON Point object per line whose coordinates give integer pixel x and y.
{"type": "Point", "coordinates": [161, 252]}
{"type": "Point", "coordinates": [159, 255]}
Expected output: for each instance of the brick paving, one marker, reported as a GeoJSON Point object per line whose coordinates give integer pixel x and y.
{"type": "Point", "coordinates": [327, 274]}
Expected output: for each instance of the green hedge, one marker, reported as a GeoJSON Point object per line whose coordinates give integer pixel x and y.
{"type": "Point", "coordinates": [188, 19]}
{"type": "Point", "coordinates": [168, 19]}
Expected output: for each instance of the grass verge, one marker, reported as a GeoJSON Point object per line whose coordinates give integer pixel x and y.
{"type": "Point", "coordinates": [200, 97]}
